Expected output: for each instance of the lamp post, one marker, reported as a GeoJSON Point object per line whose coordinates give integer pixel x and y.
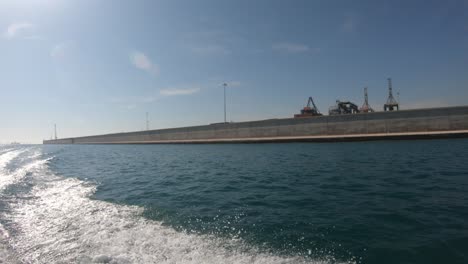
{"type": "Point", "coordinates": [224, 86]}
{"type": "Point", "coordinates": [147, 121]}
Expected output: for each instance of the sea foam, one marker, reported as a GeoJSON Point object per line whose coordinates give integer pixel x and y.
{"type": "Point", "coordinates": [59, 222]}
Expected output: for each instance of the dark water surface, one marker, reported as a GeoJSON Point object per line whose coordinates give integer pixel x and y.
{"type": "Point", "coordinates": [366, 202]}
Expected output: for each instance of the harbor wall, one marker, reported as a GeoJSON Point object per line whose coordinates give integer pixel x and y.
{"type": "Point", "coordinates": [406, 121]}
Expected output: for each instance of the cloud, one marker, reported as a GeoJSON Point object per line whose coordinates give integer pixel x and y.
{"type": "Point", "coordinates": [210, 49]}
{"type": "Point", "coordinates": [58, 51]}
{"type": "Point", "coordinates": [63, 51]}
{"type": "Point", "coordinates": [132, 100]}
{"type": "Point", "coordinates": [290, 47]}
{"type": "Point", "coordinates": [210, 36]}
{"type": "Point", "coordinates": [205, 35]}
{"type": "Point", "coordinates": [142, 62]}
{"type": "Point", "coordinates": [175, 91]}
{"type": "Point", "coordinates": [35, 37]}
{"type": "Point", "coordinates": [211, 42]}
{"type": "Point", "coordinates": [16, 29]}
{"type": "Point", "coordinates": [349, 25]}
{"type": "Point", "coordinates": [130, 107]}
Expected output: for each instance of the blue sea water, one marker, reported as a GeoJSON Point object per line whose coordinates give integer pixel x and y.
{"type": "Point", "coordinates": [363, 202]}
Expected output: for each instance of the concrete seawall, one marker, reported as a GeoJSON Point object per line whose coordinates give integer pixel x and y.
{"type": "Point", "coordinates": [418, 123]}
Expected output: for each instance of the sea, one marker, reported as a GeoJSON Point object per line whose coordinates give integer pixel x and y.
{"type": "Point", "coordinates": [355, 202]}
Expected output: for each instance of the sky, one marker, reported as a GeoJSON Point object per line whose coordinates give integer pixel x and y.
{"type": "Point", "coordinates": [97, 66]}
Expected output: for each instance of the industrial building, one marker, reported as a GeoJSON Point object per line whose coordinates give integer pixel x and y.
{"type": "Point", "coordinates": [345, 122]}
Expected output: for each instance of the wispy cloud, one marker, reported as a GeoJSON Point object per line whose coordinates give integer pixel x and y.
{"type": "Point", "coordinates": [290, 47]}
{"type": "Point", "coordinates": [16, 29]}
{"type": "Point", "coordinates": [35, 37]}
{"type": "Point", "coordinates": [63, 51]}
{"type": "Point", "coordinates": [58, 51]}
{"type": "Point", "coordinates": [130, 107]}
{"type": "Point", "coordinates": [209, 36]}
{"type": "Point", "coordinates": [133, 100]}
{"type": "Point", "coordinates": [210, 49]}
{"type": "Point", "coordinates": [179, 91]}
{"type": "Point", "coordinates": [349, 24]}
{"type": "Point", "coordinates": [211, 42]}
{"type": "Point", "coordinates": [142, 62]}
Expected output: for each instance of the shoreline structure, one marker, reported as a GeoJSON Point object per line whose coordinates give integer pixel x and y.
{"type": "Point", "coordinates": [430, 123]}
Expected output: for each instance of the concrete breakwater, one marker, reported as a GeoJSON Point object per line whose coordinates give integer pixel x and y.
{"type": "Point", "coordinates": [417, 123]}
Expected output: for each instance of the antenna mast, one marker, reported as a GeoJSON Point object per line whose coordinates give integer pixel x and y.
{"type": "Point", "coordinates": [55, 130]}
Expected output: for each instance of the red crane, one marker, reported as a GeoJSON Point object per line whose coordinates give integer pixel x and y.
{"type": "Point", "coordinates": [309, 110]}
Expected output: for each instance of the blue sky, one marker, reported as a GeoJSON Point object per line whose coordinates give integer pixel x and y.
{"type": "Point", "coordinates": [96, 66]}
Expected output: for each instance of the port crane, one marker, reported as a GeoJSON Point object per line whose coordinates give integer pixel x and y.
{"type": "Point", "coordinates": [343, 108]}
{"type": "Point", "coordinates": [392, 104]}
{"type": "Point", "coordinates": [366, 108]}
{"type": "Point", "coordinates": [309, 110]}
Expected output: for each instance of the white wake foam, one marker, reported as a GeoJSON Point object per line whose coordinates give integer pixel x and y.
{"type": "Point", "coordinates": [59, 223]}
{"type": "Point", "coordinates": [6, 156]}
{"type": "Point", "coordinates": [9, 177]}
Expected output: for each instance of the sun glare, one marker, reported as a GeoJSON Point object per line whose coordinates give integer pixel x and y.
{"type": "Point", "coordinates": [27, 4]}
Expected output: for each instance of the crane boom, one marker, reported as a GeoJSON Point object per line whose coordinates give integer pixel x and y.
{"type": "Point", "coordinates": [309, 110]}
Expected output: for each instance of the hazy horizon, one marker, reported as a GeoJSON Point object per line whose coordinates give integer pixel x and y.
{"type": "Point", "coordinates": [95, 67]}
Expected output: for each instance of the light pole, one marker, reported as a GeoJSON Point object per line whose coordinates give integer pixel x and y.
{"type": "Point", "coordinates": [147, 121]}
{"type": "Point", "coordinates": [224, 85]}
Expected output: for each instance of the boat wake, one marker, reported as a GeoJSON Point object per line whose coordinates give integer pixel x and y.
{"type": "Point", "coordinates": [47, 218]}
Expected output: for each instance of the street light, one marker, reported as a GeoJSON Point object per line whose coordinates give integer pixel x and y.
{"type": "Point", "coordinates": [147, 121]}
{"type": "Point", "coordinates": [224, 86]}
